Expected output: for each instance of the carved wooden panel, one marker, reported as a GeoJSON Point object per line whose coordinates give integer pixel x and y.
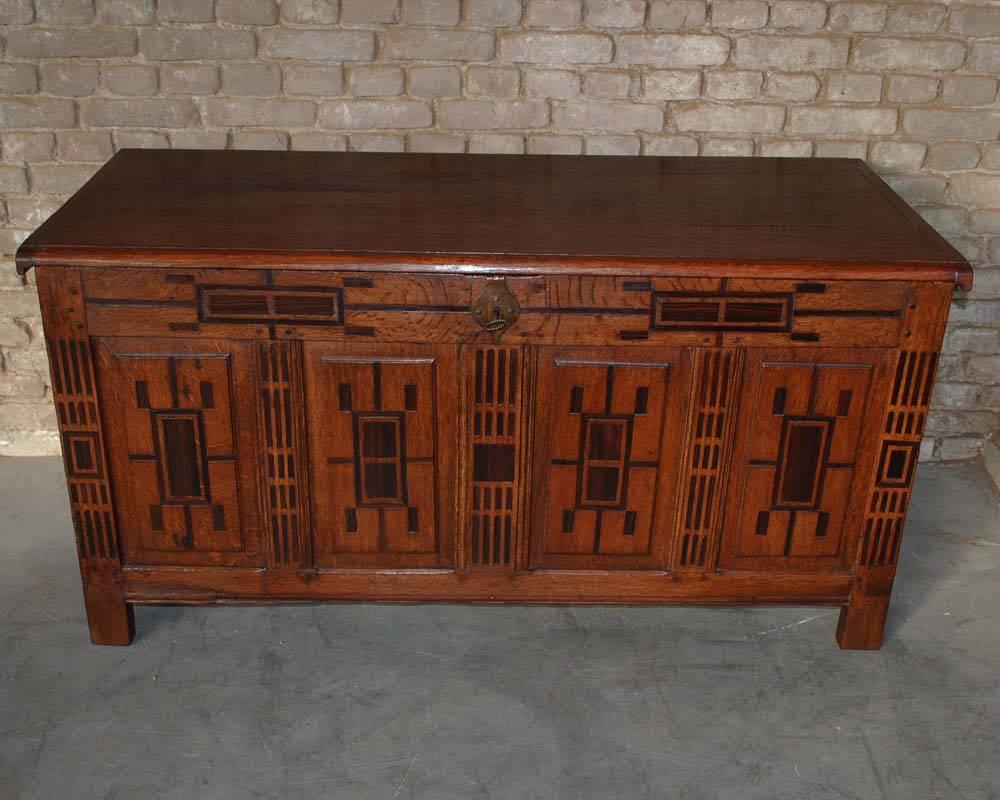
{"type": "Point", "coordinates": [186, 478]}
{"type": "Point", "coordinates": [712, 420]}
{"type": "Point", "coordinates": [497, 385]}
{"type": "Point", "coordinates": [796, 468]}
{"type": "Point", "coordinates": [283, 443]}
{"type": "Point", "coordinates": [382, 442]}
{"type": "Point", "coordinates": [603, 488]}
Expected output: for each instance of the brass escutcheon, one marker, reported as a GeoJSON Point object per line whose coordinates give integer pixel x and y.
{"type": "Point", "coordinates": [496, 309]}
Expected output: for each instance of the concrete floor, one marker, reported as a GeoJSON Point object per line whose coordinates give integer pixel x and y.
{"type": "Point", "coordinates": [441, 702]}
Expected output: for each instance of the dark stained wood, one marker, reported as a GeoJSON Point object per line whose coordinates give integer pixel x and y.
{"type": "Point", "coordinates": [270, 384]}
{"type": "Point", "coordinates": [587, 214]}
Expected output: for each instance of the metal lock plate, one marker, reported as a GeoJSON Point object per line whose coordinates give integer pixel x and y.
{"type": "Point", "coordinates": [496, 309]}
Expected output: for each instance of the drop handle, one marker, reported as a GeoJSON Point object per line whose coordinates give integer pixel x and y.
{"type": "Point", "coordinates": [496, 309]}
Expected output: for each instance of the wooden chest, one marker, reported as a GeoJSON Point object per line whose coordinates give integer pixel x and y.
{"type": "Point", "coordinates": [494, 379]}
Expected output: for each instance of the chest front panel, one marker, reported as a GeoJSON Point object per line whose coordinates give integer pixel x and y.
{"type": "Point", "coordinates": [311, 421]}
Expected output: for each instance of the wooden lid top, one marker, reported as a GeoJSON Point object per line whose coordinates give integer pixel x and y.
{"type": "Point", "coordinates": [769, 217]}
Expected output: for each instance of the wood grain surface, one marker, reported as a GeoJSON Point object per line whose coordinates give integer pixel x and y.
{"type": "Point", "coordinates": [593, 214]}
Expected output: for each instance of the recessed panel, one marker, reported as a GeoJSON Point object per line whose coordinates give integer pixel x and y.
{"type": "Point", "coordinates": [377, 464]}
{"type": "Point", "coordinates": [180, 457]}
{"type": "Point", "coordinates": [600, 471]}
{"type": "Point", "coordinates": [722, 311]}
{"type": "Point", "coordinates": [301, 306]}
{"type": "Point", "coordinates": [797, 460]}
{"type": "Point", "coordinates": [186, 479]}
{"type": "Point", "coordinates": [493, 463]}
{"type": "Point", "coordinates": [802, 462]}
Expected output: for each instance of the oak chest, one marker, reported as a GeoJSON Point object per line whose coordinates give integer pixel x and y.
{"type": "Point", "coordinates": [305, 376]}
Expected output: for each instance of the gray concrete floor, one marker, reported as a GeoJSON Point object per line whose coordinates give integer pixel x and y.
{"type": "Point", "coordinates": [440, 702]}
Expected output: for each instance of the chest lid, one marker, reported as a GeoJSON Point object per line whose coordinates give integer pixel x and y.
{"type": "Point", "coordinates": [598, 215]}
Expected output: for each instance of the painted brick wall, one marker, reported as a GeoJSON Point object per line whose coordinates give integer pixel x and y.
{"type": "Point", "coordinates": [911, 87]}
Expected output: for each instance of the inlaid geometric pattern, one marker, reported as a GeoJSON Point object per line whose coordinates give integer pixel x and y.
{"type": "Point", "coordinates": [309, 306]}
{"type": "Point", "coordinates": [715, 390]}
{"type": "Point", "coordinates": [604, 462]}
{"type": "Point", "coordinates": [374, 450]}
{"type": "Point", "coordinates": [744, 311]}
{"type": "Point", "coordinates": [911, 394]}
{"type": "Point", "coordinates": [74, 393]}
{"type": "Point", "coordinates": [900, 447]}
{"type": "Point", "coordinates": [606, 427]}
{"type": "Point", "coordinates": [722, 311]}
{"type": "Point", "coordinates": [803, 431]}
{"type": "Point", "coordinates": [183, 482]}
{"type": "Point", "coordinates": [496, 417]}
{"type": "Point", "coordinates": [281, 405]}
{"type": "Point", "coordinates": [380, 469]}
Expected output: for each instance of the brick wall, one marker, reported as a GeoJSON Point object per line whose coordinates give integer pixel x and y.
{"type": "Point", "coordinates": [911, 87]}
